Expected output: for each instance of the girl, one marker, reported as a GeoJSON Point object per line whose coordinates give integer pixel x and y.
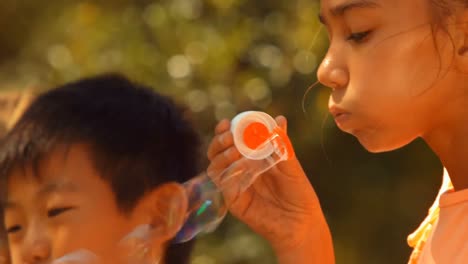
{"type": "Point", "coordinates": [397, 70]}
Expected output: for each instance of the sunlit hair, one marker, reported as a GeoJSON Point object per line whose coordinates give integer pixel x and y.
{"type": "Point", "coordinates": [417, 240]}
{"type": "Point", "coordinates": [137, 139]}
{"type": "Point", "coordinates": [441, 10]}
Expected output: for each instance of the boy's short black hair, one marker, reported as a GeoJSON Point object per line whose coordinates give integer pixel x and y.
{"type": "Point", "coordinates": [137, 138]}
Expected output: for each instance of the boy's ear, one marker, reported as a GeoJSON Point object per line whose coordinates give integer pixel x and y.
{"type": "Point", "coordinates": [166, 209]}
{"type": "Point", "coordinates": [461, 41]}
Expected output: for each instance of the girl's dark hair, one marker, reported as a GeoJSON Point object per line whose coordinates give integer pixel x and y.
{"type": "Point", "coordinates": [441, 10]}
{"type": "Point", "coordinates": [137, 139]}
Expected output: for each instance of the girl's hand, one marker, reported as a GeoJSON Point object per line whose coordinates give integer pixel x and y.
{"type": "Point", "coordinates": [280, 205]}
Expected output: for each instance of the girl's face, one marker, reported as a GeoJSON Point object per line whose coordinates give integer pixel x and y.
{"type": "Point", "coordinates": [392, 77]}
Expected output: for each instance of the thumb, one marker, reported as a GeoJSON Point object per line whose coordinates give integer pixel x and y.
{"type": "Point", "coordinates": [291, 167]}
{"type": "Point", "coordinates": [282, 122]}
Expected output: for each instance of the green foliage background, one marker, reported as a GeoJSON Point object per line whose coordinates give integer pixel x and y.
{"type": "Point", "coordinates": [221, 57]}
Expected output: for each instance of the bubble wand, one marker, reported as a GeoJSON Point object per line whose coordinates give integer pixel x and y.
{"type": "Point", "coordinates": [262, 145]}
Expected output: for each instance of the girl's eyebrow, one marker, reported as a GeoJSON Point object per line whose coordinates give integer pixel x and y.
{"type": "Point", "coordinates": [341, 9]}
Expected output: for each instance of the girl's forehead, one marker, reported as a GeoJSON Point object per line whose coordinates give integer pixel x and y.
{"type": "Point", "coordinates": [401, 13]}
{"type": "Point", "coordinates": [330, 5]}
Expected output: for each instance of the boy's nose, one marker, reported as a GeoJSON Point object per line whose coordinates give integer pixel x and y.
{"type": "Point", "coordinates": [332, 73]}
{"type": "Point", "coordinates": [36, 249]}
{"type": "Point", "coordinates": [36, 254]}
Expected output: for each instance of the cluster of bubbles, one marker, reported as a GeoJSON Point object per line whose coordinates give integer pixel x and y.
{"type": "Point", "coordinates": [262, 145]}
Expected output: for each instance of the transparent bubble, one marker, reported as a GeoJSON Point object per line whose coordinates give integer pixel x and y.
{"type": "Point", "coordinates": [140, 246]}
{"type": "Point", "coordinates": [206, 208]}
{"type": "Point", "coordinates": [82, 256]}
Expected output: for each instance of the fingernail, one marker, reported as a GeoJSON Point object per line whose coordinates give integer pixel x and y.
{"type": "Point", "coordinates": [222, 139]}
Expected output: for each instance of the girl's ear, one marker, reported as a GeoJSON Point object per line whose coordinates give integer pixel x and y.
{"type": "Point", "coordinates": [461, 41]}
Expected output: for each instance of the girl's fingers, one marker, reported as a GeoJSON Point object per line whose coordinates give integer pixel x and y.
{"type": "Point", "coordinates": [221, 161]}
{"type": "Point", "coordinates": [282, 122]}
{"type": "Point", "coordinates": [229, 185]}
{"type": "Point", "coordinates": [222, 126]}
{"type": "Point", "coordinates": [219, 144]}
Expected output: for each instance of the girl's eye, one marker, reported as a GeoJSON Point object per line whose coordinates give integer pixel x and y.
{"type": "Point", "coordinates": [13, 229]}
{"type": "Point", "coordinates": [358, 37]}
{"type": "Point", "coordinates": [58, 211]}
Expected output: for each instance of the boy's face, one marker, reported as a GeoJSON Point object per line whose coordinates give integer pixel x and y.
{"type": "Point", "coordinates": [4, 256]}
{"type": "Point", "coordinates": [68, 208]}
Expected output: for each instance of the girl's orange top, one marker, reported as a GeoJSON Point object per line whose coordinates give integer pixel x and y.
{"type": "Point", "coordinates": [443, 236]}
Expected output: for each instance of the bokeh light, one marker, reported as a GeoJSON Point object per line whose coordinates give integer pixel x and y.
{"type": "Point", "coordinates": [221, 57]}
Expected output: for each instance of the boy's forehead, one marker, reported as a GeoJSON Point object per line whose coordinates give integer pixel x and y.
{"type": "Point", "coordinates": [31, 188]}
{"type": "Point", "coordinates": [63, 169]}
{"type": "Point", "coordinates": [56, 162]}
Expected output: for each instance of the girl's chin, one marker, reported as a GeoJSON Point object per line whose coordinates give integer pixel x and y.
{"type": "Point", "coordinates": [378, 144]}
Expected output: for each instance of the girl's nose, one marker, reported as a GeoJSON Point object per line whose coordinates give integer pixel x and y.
{"type": "Point", "coordinates": [332, 71]}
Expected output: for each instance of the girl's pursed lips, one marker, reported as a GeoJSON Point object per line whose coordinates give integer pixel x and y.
{"type": "Point", "coordinates": [336, 111]}
{"type": "Point", "coordinates": [341, 116]}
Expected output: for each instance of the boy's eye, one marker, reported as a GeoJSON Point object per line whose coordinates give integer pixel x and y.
{"type": "Point", "coordinates": [13, 229]}
{"type": "Point", "coordinates": [358, 36]}
{"type": "Point", "coordinates": [58, 211]}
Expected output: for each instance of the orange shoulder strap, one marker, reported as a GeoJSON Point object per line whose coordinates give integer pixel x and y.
{"type": "Point", "coordinates": [418, 238]}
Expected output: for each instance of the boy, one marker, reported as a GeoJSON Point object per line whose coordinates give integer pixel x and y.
{"type": "Point", "coordinates": [4, 256]}
{"type": "Point", "coordinates": [12, 105]}
{"type": "Point", "coordinates": [90, 161]}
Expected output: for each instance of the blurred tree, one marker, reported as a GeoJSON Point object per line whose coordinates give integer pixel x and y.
{"type": "Point", "coordinates": [220, 57]}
